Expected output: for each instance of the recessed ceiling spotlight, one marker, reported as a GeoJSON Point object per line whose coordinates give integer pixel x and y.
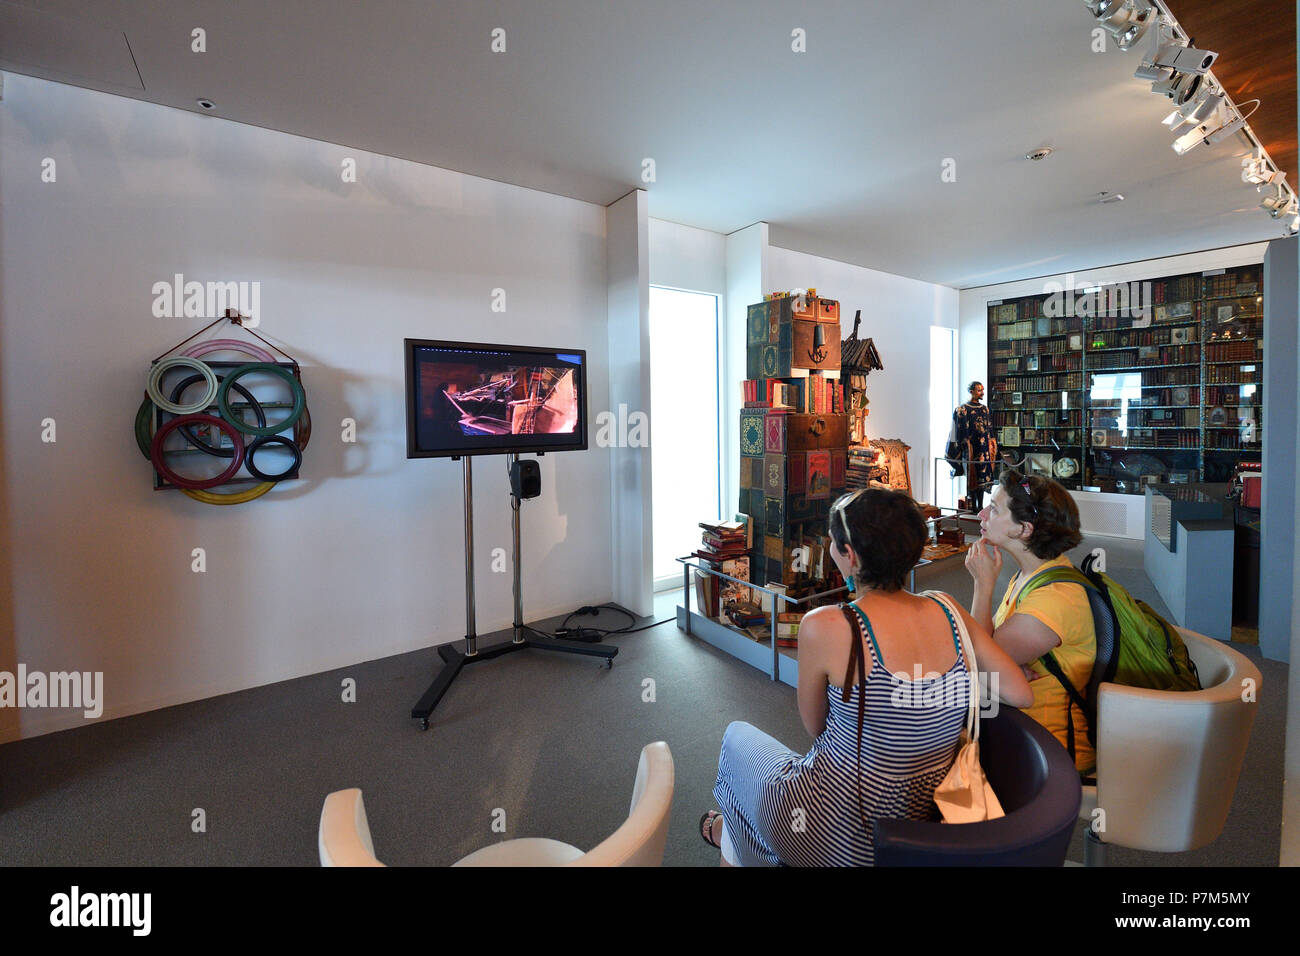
{"type": "Point", "coordinates": [206, 104]}
{"type": "Point", "coordinates": [1041, 152]}
{"type": "Point", "coordinates": [1105, 198]}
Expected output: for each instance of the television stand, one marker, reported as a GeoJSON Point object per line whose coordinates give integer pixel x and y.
{"type": "Point", "coordinates": [454, 659]}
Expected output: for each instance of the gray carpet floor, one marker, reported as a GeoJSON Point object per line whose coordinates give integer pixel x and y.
{"type": "Point", "coordinates": [546, 743]}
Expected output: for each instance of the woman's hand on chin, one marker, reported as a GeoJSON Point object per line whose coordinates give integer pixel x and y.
{"type": "Point", "coordinates": [984, 562]}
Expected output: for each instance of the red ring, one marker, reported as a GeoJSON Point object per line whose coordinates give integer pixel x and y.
{"type": "Point", "coordinates": [156, 452]}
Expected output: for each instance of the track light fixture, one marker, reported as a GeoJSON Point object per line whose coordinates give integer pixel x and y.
{"type": "Point", "coordinates": [1256, 170]}
{"type": "Point", "coordinates": [1276, 201]}
{"type": "Point", "coordinates": [1126, 20]}
{"type": "Point", "coordinates": [1196, 111]}
{"type": "Point", "coordinates": [1204, 113]}
{"type": "Point", "coordinates": [1182, 88]}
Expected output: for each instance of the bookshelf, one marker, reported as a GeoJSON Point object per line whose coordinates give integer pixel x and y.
{"type": "Point", "coordinates": [1152, 381]}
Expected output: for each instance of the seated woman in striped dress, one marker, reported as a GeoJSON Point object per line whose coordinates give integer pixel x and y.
{"type": "Point", "coordinates": [817, 809]}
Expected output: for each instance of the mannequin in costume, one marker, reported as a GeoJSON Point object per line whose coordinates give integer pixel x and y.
{"type": "Point", "coordinates": [972, 426]}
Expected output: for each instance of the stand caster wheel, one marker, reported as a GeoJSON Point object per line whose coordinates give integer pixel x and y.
{"type": "Point", "coordinates": [424, 724]}
{"type": "Point", "coordinates": [609, 663]}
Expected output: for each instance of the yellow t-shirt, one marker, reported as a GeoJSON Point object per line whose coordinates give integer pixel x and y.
{"type": "Point", "coordinates": [1065, 609]}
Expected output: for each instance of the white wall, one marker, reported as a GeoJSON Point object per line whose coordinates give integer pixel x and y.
{"type": "Point", "coordinates": [683, 257]}
{"type": "Point", "coordinates": [631, 488]}
{"type": "Point", "coordinates": [747, 252]}
{"type": "Point", "coordinates": [363, 557]}
{"type": "Point", "coordinates": [897, 313]}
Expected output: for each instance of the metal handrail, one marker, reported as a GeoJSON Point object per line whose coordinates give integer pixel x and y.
{"type": "Point", "coordinates": [687, 565]}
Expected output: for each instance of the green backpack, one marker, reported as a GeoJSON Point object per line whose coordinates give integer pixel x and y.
{"type": "Point", "coordinates": [1135, 645]}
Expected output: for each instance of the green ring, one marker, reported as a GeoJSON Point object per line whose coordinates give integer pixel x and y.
{"type": "Point", "coordinates": [299, 399]}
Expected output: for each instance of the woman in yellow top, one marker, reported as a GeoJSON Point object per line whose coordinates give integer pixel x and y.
{"type": "Point", "coordinates": [1035, 521]}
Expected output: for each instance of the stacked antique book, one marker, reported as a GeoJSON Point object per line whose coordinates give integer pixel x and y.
{"type": "Point", "coordinates": [724, 548]}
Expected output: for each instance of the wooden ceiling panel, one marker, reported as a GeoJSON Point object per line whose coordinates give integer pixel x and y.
{"type": "Point", "coordinates": [1256, 43]}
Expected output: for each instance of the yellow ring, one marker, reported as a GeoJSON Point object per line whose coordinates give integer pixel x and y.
{"type": "Point", "coordinates": [235, 498]}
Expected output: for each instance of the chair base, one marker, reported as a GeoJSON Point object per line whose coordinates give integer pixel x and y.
{"type": "Point", "coordinates": [527, 851]}
{"type": "Point", "coordinates": [1094, 851]}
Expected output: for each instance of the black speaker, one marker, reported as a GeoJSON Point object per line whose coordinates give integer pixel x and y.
{"type": "Point", "coordinates": [525, 479]}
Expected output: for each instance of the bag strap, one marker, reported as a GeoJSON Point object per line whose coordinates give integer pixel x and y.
{"type": "Point", "coordinates": [1054, 575]}
{"type": "Point", "coordinates": [857, 659]}
{"type": "Point", "coordinates": [967, 650]}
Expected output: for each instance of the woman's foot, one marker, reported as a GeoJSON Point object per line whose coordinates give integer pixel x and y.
{"type": "Point", "coordinates": [711, 829]}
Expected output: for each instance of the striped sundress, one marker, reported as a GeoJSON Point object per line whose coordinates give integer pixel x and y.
{"type": "Point", "coordinates": [782, 808]}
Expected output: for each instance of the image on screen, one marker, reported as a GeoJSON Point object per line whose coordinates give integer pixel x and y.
{"type": "Point", "coordinates": [476, 399]}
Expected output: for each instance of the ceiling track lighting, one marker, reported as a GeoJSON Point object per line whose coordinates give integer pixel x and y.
{"type": "Point", "coordinates": [1204, 113]}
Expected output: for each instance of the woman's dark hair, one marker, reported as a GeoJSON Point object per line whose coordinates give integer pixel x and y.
{"type": "Point", "coordinates": [971, 386]}
{"type": "Point", "coordinates": [887, 532]}
{"type": "Point", "coordinates": [1048, 507]}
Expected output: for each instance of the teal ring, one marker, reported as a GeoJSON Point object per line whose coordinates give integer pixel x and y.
{"type": "Point", "coordinates": [223, 399]}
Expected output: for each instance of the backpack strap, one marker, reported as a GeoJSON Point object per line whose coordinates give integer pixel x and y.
{"type": "Point", "coordinates": [1055, 575]}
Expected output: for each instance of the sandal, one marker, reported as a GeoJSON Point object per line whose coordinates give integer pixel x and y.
{"type": "Point", "coordinates": [706, 828]}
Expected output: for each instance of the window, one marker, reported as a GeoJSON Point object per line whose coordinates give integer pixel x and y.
{"type": "Point", "coordinates": [684, 425]}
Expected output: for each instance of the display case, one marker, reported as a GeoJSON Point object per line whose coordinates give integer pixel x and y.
{"type": "Point", "coordinates": [1113, 388]}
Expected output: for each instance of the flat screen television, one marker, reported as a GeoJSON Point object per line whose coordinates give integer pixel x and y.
{"type": "Point", "coordinates": [466, 398]}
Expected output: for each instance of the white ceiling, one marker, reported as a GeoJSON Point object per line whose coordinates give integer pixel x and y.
{"type": "Point", "coordinates": [840, 149]}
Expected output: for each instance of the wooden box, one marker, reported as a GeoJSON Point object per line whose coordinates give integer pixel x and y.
{"type": "Point", "coordinates": [798, 432]}
{"type": "Point", "coordinates": [806, 353]}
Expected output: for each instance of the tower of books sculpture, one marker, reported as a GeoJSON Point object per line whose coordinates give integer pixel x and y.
{"type": "Point", "coordinates": [793, 438]}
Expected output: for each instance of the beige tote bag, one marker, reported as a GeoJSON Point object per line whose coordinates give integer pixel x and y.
{"type": "Point", "coordinates": [965, 796]}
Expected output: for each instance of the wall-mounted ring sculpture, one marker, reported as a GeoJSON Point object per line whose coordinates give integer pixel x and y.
{"type": "Point", "coordinates": [169, 414]}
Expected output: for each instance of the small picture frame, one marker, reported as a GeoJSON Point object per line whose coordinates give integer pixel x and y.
{"type": "Point", "coordinates": [1029, 435]}
{"type": "Point", "coordinates": [1076, 341]}
{"type": "Point", "coordinates": [1010, 436]}
{"type": "Point", "coordinates": [1180, 336]}
{"type": "Point", "coordinates": [1017, 398]}
{"type": "Point", "coordinates": [1031, 363]}
{"type": "Point", "coordinates": [1148, 353]}
{"type": "Point", "coordinates": [1225, 313]}
{"type": "Point", "coordinates": [1100, 438]}
{"type": "Point", "coordinates": [1039, 463]}
{"type": "Point", "coordinates": [1218, 415]}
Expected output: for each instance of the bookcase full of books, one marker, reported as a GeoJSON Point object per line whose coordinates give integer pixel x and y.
{"type": "Point", "coordinates": [1114, 387]}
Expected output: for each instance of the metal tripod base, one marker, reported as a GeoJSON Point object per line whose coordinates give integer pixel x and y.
{"type": "Point", "coordinates": [453, 660]}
